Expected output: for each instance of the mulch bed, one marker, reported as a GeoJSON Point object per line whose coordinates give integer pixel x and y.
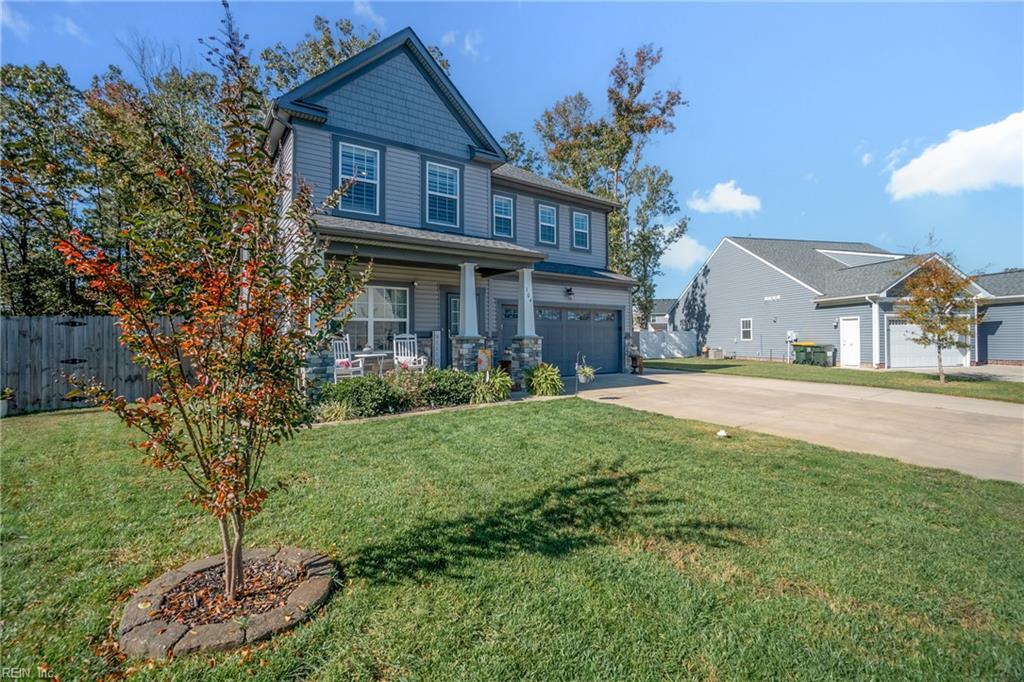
{"type": "Point", "coordinates": [200, 598]}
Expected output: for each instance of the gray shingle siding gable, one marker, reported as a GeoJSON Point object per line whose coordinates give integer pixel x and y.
{"type": "Point", "coordinates": [393, 100]}
{"type": "Point", "coordinates": [733, 285]}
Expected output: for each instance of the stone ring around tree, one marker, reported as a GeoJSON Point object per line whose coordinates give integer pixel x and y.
{"type": "Point", "coordinates": [167, 616]}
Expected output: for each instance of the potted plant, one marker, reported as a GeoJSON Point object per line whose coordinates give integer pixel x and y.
{"type": "Point", "coordinates": [585, 373]}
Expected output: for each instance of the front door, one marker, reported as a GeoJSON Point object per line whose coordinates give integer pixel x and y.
{"type": "Point", "coordinates": [849, 342]}
{"type": "Point", "coordinates": [451, 321]}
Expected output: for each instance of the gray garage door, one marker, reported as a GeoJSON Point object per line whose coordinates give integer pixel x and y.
{"type": "Point", "coordinates": [597, 334]}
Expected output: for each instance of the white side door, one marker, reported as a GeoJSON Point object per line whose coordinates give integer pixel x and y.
{"type": "Point", "coordinates": [849, 342]}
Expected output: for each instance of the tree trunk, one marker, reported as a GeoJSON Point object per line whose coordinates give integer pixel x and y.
{"type": "Point", "coordinates": [942, 373]}
{"type": "Point", "coordinates": [225, 542]}
{"type": "Point", "coordinates": [237, 570]}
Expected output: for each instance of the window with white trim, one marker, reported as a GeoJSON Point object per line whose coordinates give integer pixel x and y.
{"type": "Point", "coordinates": [746, 329]}
{"type": "Point", "coordinates": [503, 210]}
{"type": "Point", "coordinates": [580, 230]}
{"type": "Point", "coordinates": [361, 166]}
{"type": "Point", "coordinates": [442, 195]}
{"type": "Point", "coordinates": [547, 224]}
{"type": "Point", "coordinates": [377, 316]}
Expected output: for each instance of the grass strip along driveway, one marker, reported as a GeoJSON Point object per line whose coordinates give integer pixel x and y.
{"type": "Point", "coordinates": [963, 386]}
{"type": "Point", "coordinates": [554, 540]}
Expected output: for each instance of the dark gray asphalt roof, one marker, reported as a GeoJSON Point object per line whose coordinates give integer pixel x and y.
{"type": "Point", "coordinates": [800, 258]}
{"type": "Point", "coordinates": [1008, 283]}
{"type": "Point", "coordinates": [516, 174]}
{"type": "Point", "coordinates": [369, 229]}
{"type": "Point", "coordinates": [581, 271]}
{"type": "Point", "coordinates": [663, 305]}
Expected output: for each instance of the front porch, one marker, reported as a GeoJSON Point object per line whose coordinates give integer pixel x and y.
{"type": "Point", "coordinates": [441, 296]}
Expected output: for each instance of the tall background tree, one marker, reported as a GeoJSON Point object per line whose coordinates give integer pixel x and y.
{"type": "Point", "coordinates": [938, 299]}
{"type": "Point", "coordinates": [606, 154]}
{"type": "Point", "coordinates": [43, 179]}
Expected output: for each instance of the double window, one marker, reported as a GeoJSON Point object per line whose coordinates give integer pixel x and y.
{"type": "Point", "coordinates": [442, 195]}
{"type": "Point", "coordinates": [503, 213]}
{"type": "Point", "coordinates": [580, 230]}
{"type": "Point", "coordinates": [377, 316]}
{"type": "Point", "coordinates": [547, 224]}
{"type": "Point", "coordinates": [361, 167]}
{"type": "Point", "coordinates": [746, 329]}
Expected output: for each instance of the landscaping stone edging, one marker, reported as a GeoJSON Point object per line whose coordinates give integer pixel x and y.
{"type": "Point", "coordinates": [142, 634]}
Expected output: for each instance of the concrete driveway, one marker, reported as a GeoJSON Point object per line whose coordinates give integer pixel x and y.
{"type": "Point", "coordinates": [983, 438]}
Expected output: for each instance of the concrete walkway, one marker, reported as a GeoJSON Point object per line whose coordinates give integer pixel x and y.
{"type": "Point", "coordinates": [983, 438]}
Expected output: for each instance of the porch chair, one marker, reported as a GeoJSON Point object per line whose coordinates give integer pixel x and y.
{"type": "Point", "coordinates": [345, 366]}
{"type": "Point", "coordinates": [406, 353]}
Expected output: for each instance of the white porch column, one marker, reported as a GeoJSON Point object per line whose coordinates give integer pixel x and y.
{"type": "Point", "coordinates": [526, 325]}
{"type": "Point", "coordinates": [467, 301]}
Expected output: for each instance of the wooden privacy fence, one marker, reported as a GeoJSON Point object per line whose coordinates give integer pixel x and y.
{"type": "Point", "coordinates": [39, 351]}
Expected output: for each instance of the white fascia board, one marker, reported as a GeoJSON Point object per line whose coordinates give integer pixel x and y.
{"type": "Point", "coordinates": [701, 268]}
{"type": "Point", "coordinates": [773, 267]}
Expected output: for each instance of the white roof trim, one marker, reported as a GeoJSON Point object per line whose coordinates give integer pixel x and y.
{"type": "Point", "coordinates": [773, 267]}
{"type": "Point", "coordinates": [693, 279]}
{"type": "Point", "coordinates": [982, 291]}
{"type": "Point", "coordinates": [859, 253]}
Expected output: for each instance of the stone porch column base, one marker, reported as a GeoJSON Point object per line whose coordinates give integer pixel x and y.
{"type": "Point", "coordinates": [465, 350]}
{"type": "Point", "coordinates": [524, 353]}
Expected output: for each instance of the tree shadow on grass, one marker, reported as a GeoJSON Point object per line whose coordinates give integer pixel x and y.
{"type": "Point", "coordinates": [589, 508]}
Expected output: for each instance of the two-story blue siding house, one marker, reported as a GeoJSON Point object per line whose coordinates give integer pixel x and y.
{"type": "Point", "coordinates": [467, 251]}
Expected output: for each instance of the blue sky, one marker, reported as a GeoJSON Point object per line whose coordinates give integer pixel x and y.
{"type": "Point", "coordinates": [805, 120]}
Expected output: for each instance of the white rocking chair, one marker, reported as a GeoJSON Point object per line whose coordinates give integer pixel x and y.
{"type": "Point", "coordinates": [406, 353]}
{"type": "Point", "coordinates": [345, 366]}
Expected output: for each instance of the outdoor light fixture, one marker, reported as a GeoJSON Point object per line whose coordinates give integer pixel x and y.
{"type": "Point", "coordinates": [569, 292]}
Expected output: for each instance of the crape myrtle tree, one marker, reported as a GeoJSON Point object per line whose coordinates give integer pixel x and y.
{"type": "Point", "coordinates": [939, 301]}
{"type": "Point", "coordinates": [218, 298]}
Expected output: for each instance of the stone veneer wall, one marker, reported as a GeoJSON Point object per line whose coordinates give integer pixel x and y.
{"type": "Point", "coordinates": [465, 350]}
{"type": "Point", "coordinates": [524, 353]}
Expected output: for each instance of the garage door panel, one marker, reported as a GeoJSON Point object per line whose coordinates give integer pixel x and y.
{"type": "Point", "coordinates": [905, 353]}
{"type": "Point", "coordinates": [569, 331]}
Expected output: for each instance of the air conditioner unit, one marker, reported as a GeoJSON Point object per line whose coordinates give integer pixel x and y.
{"type": "Point", "coordinates": [716, 354]}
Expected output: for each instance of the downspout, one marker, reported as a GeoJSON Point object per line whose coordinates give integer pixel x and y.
{"type": "Point", "coordinates": [875, 354]}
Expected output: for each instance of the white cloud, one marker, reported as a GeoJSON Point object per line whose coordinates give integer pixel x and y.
{"type": "Point", "coordinates": [811, 177]}
{"type": "Point", "coordinates": [725, 197]}
{"type": "Point", "coordinates": [975, 159]}
{"type": "Point", "coordinates": [471, 44]}
{"type": "Point", "coordinates": [362, 8]}
{"type": "Point", "coordinates": [685, 253]}
{"type": "Point", "coordinates": [448, 39]}
{"type": "Point", "coordinates": [866, 159]}
{"type": "Point", "coordinates": [14, 22]}
{"type": "Point", "coordinates": [893, 158]}
{"type": "Point", "coordinates": [66, 26]}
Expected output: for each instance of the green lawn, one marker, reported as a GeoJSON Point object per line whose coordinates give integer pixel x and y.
{"type": "Point", "coordinates": [967, 387]}
{"type": "Point", "coordinates": [543, 540]}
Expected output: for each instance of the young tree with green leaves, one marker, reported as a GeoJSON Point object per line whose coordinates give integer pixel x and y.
{"type": "Point", "coordinates": [938, 300]}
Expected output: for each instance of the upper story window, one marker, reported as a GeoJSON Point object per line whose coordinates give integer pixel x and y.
{"type": "Point", "coordinates": [547, 224]}
{"type": "Point", "coordinates": [360, 165]}
{"type": "Point", "coordinates": [503, 213]}
{"type": "Point", "coordinates": [580, 230]}
{"type": "Point", "coordinates": [442, 195]}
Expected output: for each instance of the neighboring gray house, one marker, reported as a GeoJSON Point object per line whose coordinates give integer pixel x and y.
{"type": "Point", "coordinates": [468, 252]}
{"type": "Point", "coordinates": [753, 294]}
{"type": "Point", "coordinates": [1000, 336]}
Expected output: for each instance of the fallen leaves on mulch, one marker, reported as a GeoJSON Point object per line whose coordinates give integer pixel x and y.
{"type": "Point", "coordinates": [200, 599]}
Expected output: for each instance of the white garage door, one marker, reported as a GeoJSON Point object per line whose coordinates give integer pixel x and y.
{"type": "Point", "coordinates": [903, 352]}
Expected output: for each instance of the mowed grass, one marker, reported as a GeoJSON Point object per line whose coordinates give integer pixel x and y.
{"type": "Point", "coordinates": [556, 540]}
{"type": "Point", "coordinates": [958, 385]}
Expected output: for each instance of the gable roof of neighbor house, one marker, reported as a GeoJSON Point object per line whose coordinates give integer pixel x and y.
{"type": "Point", "coordinates": [806, 261]}
{"type": "Point", "coordinates": [663, 306]}
{"type": "Point", "coordinates": [1007, 283]}
{"type": "Point", "coordinates": [295, 100]}
{"type": "Point", "coordinates": [518, 176]}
